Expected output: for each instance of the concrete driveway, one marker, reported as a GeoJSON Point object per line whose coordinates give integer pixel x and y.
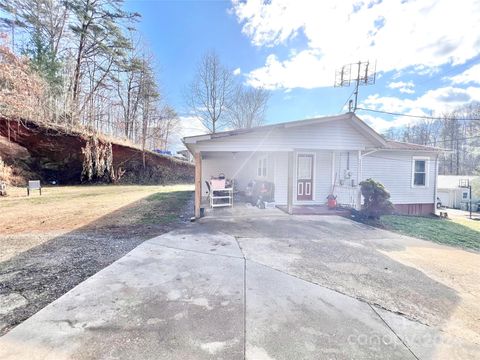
{"type": "Point", "coordinates": [279, 287]}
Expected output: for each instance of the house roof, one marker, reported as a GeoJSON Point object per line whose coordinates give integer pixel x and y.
{"type": "Point", "coordinates": [452, 181]}
{"type": "Point", "coordinates": [359, 124]}
{"type": "Point", "coordinates": [399, 145]}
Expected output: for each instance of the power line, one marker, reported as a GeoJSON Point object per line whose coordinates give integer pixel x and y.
{"type": "Point", "coordinates": [441, 141]}
{"type": "Point", "coordinates": [450, 140]}
{"type": "Point", "coordinates": [418, 116]}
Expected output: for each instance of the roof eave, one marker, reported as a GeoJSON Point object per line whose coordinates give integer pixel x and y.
{"type": "Point", "coordinates": [367, 130]}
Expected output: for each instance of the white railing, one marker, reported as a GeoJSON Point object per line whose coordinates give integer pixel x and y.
{"type": "Point", "coordinates": [347, 195]}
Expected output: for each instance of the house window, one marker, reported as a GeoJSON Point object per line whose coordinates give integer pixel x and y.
{"type": "Point", "coordinates": [262, 167]}
{"type": "Point", "coordinates": [465, 195]}
{"type": "Point", "coordinates": [420, 172]}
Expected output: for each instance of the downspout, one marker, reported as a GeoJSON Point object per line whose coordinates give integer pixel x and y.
{"type": "Point", "coordinates": [360, 174]}
{"type": "Point", "coordinates": [359, 179]}
{"type": "Point", "coordinates": [435, 194]}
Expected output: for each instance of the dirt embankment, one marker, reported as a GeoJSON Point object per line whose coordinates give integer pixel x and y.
{"type": "Point", "coordinates": [31, 150]}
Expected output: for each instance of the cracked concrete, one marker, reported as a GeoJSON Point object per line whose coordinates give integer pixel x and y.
{"type": "Point", "coordinates": [284, 287]}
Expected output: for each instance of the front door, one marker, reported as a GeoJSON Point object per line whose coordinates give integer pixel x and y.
{"type": "Point", "coordinates": [304, 177]}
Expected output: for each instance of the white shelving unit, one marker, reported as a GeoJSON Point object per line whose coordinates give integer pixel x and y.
{"type": "Point", "coordinates": [221, 194]}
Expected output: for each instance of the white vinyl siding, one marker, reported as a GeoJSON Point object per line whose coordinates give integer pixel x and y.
{"type": "Point", "coordinates": [323, 176]}
{"type": "Point", "coordinates": [322, 181]}
{"type": "Point", "coordinates": [335, 135]}
{"type": "Point", "coordinates": [394, 170]}
{"type": "Point", "coordinates": [241, 167]}
{"type": "Point", "coordinates": [281, 177]}
{"type": "Point", "coordinates": [235, 166]}
{"type": "Point", "coordinates": [346, 165]}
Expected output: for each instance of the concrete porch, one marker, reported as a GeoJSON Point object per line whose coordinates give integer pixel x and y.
{"type": "Point", "coordinates": [316, 210]}
{"type": "Point", "coordinates": [329, 171]}
{"type": "Point", "coordinates": [241, 210]}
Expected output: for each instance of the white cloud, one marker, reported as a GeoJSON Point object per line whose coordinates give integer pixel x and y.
{"type": "Point", "coordinates": [403, 87]}
{"type": "Point", "coordinates": [433, 102]}
{"type": "Point", "coordinates": [237, 71]}
{"type": "Point", "coordinates": [421, 34]}
{"type": "Point", "coordinates": [380, 124]}
{"type": "Point", "coordinates": [438, 100]}
{"type": "Point", "coordinates": [189, 126]}
{"type": "Point", "coordinates": [471, 75]}
{"type": "Point", "coordinates": [290, 73]}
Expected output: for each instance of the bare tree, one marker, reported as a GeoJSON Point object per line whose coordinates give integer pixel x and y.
{"type": "Point", "coordinates": [455, 131]}
{"type": "Point", "coordinates": [127, 78]}
{"type": "Point", "coordinates": [21, 91]}
{"type": "Point", "coordinates": [89, 53]}
{"type": "Point", "coordinates": [164, 124]}
{"type": "Point", "coordinates": [247, 107]}
{"type": "Point", "coordinates": [149, 96]}
{"type": "Point", "coordinates": [169, 125]}
{"type": "Point", "coordinates": [96, 27]}
{"type": "Point", "coordinates": [46, 18]}
{"type": "Point", "coordinates": [210, 92]}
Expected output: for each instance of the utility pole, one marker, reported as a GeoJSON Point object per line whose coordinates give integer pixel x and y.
{"type": "Point", "coordinates": [362, 76]}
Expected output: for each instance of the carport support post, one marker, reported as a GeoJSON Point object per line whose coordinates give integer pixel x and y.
{"type": "Point", "coordinates": [198, 184]}
{"type": "Point", "coordinates": [333, 172]}
{"type": "Point", "coordinates": [359, 179]}
{"type": "Point", "coordinates": [290, 183]}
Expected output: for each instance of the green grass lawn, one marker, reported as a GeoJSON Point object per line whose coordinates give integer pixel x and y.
{"type": "Point", "coordinates": [68, 208]}
{"type": "Point", "coordinates": [472, 224]}
{"type": "Point", "coordinates": [442, 231]}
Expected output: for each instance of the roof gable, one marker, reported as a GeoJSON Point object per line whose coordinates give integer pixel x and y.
{"type": "Point", "coordinates": [287, 134]}
{"type": "Point", "coordinates": [262, 135]}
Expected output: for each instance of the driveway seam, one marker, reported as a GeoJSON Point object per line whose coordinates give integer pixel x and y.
{"type": "Point", "coordinates": [244, 299]}
{"type": "Point", "coordinates": [339, 292]}
{"type": "Point", "coordinates": [351, 297]}
{"type": "Point", "coordinates": [198, 251]}
{"type": "Point", "coordinates": [393, 331]}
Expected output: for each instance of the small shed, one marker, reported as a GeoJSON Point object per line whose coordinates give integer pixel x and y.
{"type": "Point", "coordinates": [451, 194]}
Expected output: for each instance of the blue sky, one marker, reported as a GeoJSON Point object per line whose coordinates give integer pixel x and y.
{"type": "Point", "coordinates": [426, 52]}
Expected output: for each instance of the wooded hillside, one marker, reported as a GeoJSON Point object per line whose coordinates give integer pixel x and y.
{"type": "Point", "coordinates": [454, 131]}
{"type": "Point", "coordinates": [32, 151]}
{"type": "Point", "coordinates": [81, 64]}
{"type": "Point", "coordinates": [79, 99]}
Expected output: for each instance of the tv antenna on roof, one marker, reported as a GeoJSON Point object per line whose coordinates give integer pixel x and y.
{"type": "Point", "coordinates": [358, 73]}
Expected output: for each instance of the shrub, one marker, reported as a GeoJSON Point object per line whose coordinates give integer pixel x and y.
{"type": "Point", "coordinates": [376, 199]}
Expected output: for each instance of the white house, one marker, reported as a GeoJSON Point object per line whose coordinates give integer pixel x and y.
{"type": "Point", "coordinates": [307, 160]}
{"type": "Point", "coordinates": [451, 193]}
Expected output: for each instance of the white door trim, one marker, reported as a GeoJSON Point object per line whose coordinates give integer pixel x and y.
{"type": "Point", "coordinates": [314, 176]}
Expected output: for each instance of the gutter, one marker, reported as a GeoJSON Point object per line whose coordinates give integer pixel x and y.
{"type": "Point", "coordinates": [435, 190]}
{"type": "Point", "coordinates": [371, 152]}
